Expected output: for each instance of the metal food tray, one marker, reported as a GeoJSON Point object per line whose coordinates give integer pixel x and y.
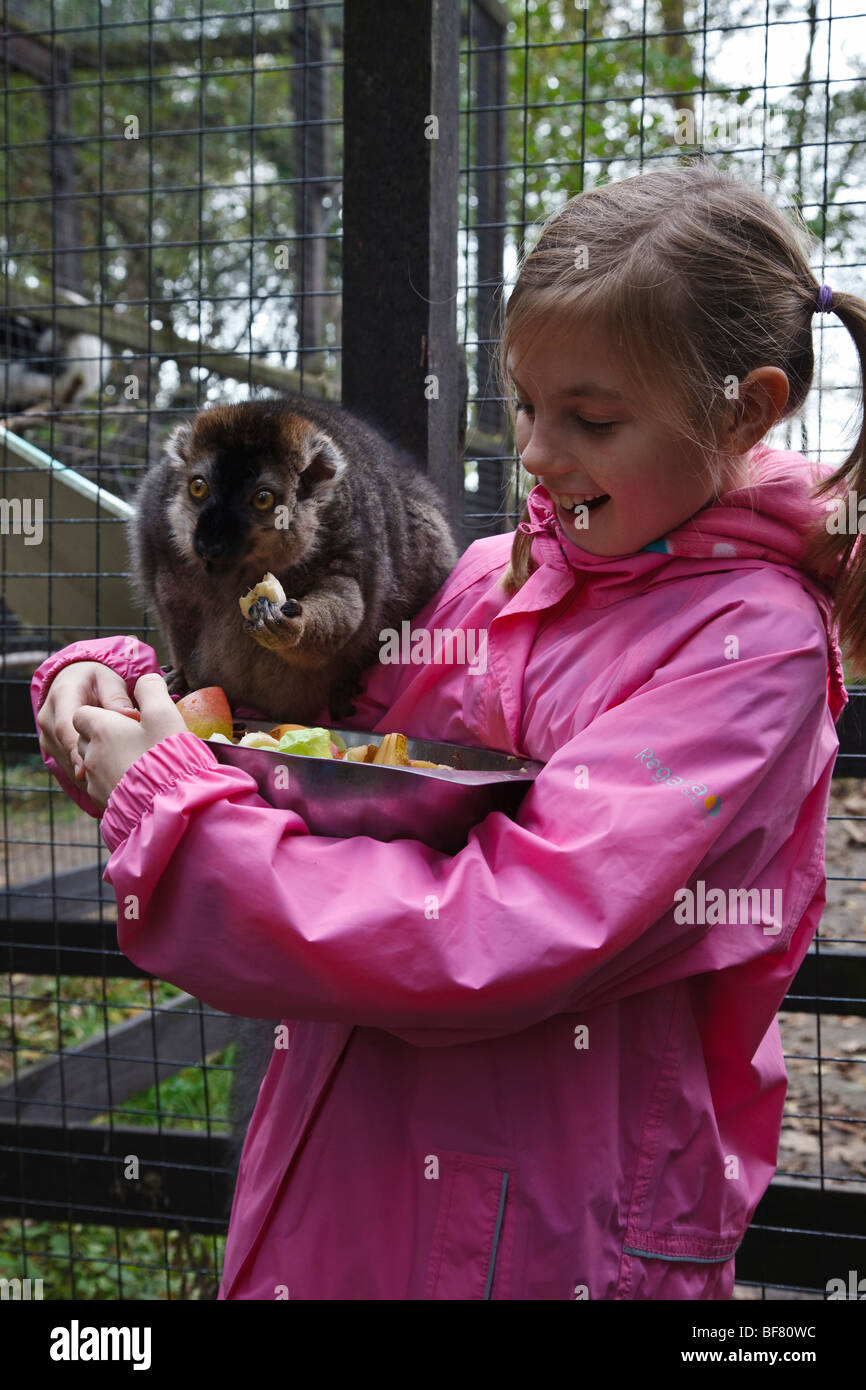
{"type": "Point", "coordinates": [437, 806]}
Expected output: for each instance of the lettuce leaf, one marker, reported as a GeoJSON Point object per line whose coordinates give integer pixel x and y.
{"type": "Point", "coordinates": [315, 743]}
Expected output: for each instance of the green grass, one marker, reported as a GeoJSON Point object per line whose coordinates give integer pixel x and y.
{"type": "Point", "coordinates": [24, 787]}
{"type": "Point", "coordinates": [196, 1099]}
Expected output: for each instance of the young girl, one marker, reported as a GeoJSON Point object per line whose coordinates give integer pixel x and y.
{"type": "Point", "coordinates": [548, 1066]}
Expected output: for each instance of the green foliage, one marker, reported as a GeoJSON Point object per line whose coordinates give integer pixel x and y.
{"type": "Point", "coordinates": [93, 1263]}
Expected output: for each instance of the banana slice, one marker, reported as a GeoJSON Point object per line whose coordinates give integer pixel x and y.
{"type": "Point", "coordinates": [270, 587]}
{"type": "Point", "coordinates": [361, 753]}
{"type": "Point", "coordinates": [257, 740]}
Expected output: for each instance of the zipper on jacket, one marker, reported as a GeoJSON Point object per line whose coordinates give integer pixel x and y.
{"type": "Point", "coordinates": [496, 1235]}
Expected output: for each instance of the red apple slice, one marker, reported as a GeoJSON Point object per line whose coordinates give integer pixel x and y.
{"type": "Point", "coordinates": [206, 712]}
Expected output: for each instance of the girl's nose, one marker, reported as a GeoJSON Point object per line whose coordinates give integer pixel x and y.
{"type": "Point", "coordinates": [542, 455]}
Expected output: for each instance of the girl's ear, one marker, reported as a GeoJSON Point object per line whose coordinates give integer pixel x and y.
{"type": "Point", "coordinates": [177, 446]}
{"type": "Point", "coordinates": [761, 398]}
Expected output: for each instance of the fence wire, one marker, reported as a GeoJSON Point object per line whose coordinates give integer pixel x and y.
{"type": "Point", "coordinates": [171, 235]}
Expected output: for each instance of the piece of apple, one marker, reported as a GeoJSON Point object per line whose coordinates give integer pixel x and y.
{"type": "Point", "coordinates": [206, 712]}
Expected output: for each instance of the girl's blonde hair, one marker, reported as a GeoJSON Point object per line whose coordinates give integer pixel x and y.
{"type": "Point", "coordinates": [697, 279]}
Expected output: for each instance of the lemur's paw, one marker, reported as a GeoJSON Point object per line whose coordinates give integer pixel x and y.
{"type": "Point", "coordinates": [175, 680]}
{"type": "Point", "coordinates": [275, 626]}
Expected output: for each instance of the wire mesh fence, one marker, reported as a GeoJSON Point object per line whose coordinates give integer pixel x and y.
{"type": "Point", "coordinates": [194, 210]}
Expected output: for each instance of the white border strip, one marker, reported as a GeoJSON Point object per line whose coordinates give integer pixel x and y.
{"type": "Point", "coordinates": [103, 499]}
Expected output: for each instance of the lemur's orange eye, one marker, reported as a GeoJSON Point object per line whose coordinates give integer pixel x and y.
{"type": "Point", "coordinates": [264, 499]}
{"type": "Point", "coordinates": [198, 489]}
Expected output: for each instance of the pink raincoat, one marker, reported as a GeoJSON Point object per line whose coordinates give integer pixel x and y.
{"type": "Point", "coordinates": [549, 1066]}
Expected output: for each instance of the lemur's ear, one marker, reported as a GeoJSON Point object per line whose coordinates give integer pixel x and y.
{"type": "Point", "coordinates": [177, 446]}
{"type": "Point", "coordinates": [322, 464]}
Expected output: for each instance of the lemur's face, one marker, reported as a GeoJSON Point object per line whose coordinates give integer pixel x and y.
{"type": "Point", "coordinates": [249, 498]}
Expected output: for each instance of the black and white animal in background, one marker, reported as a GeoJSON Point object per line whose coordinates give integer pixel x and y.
{"type": "Point", "coordinates": [47, 366]}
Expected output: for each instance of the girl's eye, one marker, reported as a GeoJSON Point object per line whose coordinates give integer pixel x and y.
{"type": "Point", "coordinates": [198, 489]}
{"type": "Point", "coordinates": [264, 499]}
{"type": "Point", "coordinates": [594, 426]}
{"type": "Point", "coordinates": [597, 426]}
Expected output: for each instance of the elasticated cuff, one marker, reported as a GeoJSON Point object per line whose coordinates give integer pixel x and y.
{"type": "Point", "coordinates": [171, 760]}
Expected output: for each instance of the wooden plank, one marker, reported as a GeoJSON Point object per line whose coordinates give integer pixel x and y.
{"type": "Point", "coordinates": [400, 211]}
{"type": "Point", "coordinates": [60, 897]}
{"type": "Point", "coordinates": [99, 1075]}
{"type": "Point", "coordinates": [799, 1235]}
{"type": "Point", "coordinates": [833, 982]}
{"type": "Point", "coordinates": [27, 54]}
{"type": "Point", "coordinates": [86, 949]}
{"type": "Point", "coordinates": [851, 728]}
{"type": "Point", "coordinates": [56, 1173]}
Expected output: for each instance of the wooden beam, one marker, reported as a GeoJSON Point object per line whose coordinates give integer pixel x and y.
{"type": "Point", "coordinates": [76, 1174]}
{"type": "Point", "coordinates": [122, 48]}
{"type": "Point", "coordinates": [799, 1234]}
{"type": "Point", "coordinates": [96, 1077]}
{"type": "Point", "coordinates": [130, 331]}
{"type": "Point", "coordinates": [400, 204]}
{"type": "Point", "coordinates": [26, 54]}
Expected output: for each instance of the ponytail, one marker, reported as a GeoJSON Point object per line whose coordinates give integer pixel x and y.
{"type": "Point", "coordinates": [520, 563]}
{"type": "Point", "coordinates": [836, 552]}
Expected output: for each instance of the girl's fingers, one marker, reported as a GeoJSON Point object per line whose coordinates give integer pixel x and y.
{"type": "Point", "coordinates": [109, 692]}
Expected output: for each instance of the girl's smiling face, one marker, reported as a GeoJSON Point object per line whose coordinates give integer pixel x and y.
{"type": "Point", "coordinates": [580, 434]}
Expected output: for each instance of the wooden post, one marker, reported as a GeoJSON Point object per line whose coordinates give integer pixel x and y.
{"type": "Point", "coordinates": [401, 127]}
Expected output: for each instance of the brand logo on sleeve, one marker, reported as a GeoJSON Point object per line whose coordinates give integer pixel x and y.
{"type": "Point", "coordinates": [697, 792]}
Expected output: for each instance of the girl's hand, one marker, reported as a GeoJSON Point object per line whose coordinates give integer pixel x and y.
{"type": "Point", "coordinates": [110, 741]}
{"type": "Point", "coordinates": [79, 683]}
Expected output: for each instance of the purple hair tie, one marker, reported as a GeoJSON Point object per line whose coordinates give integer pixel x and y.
{"type": "Point", "coordinates": [825, 300]}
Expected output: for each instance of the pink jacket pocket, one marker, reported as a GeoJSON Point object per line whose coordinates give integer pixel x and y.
{"type": "Point", "coordinates": [472, 1238]}
{"type": "Point", "coordinates": [644, 1276]}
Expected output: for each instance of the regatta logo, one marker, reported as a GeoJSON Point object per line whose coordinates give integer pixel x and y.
{"type": "Point", "coordinates": [75, 1343]}
{"type": "Point", "coordinates": [698, 792]}
{"type": "Point", "coordinates": [746, 906]}
{"type": "Point", "coordinates": [438, 646]}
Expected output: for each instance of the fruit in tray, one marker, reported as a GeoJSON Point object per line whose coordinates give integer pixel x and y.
{"type": "Point", "coordinates": [207, 714]}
